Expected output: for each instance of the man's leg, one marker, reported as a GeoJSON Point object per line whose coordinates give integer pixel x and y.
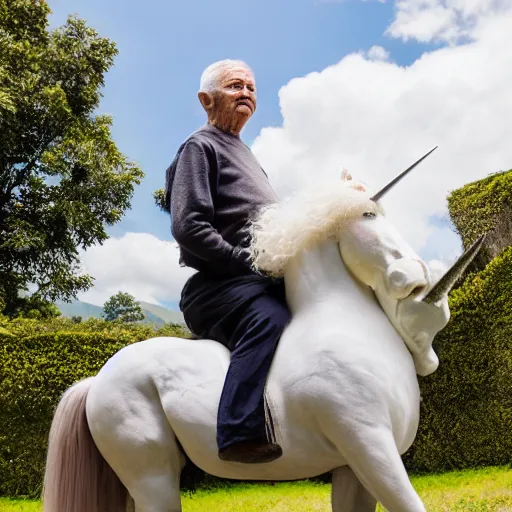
{"type": "Point", "coordinates": [247, 315]}
{"type": "Point", "coordinates": [241, 434]}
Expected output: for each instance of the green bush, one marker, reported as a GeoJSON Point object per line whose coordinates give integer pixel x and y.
{"type": "Point", "coordinates": [37, 364]}
{"type": "Point", "coordinates": [23, 327]}
{"type": "Point", "coordinates": [484, 206]}
{"type": "Point", "coordinates": [475, 207]}
{"type": "Point", "coordinates": [466, 411]}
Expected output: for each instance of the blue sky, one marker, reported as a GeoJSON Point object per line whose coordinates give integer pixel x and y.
{"type": "Point", "coordinates": [164, 46]}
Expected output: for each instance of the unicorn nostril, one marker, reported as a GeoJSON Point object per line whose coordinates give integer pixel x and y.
{"type": "Point", "coordinates": [405, 277]}
{"type": "Point", "coordinates": [418, 289]}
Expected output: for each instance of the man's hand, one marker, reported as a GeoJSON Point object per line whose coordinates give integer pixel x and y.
{"type": "Point", "coordinates": [241, 260]}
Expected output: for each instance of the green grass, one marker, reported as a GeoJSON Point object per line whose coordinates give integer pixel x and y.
{"type": "Point", "coordinates": [7, 505]}
{"type": "Point", "coordinates": [484, 490]}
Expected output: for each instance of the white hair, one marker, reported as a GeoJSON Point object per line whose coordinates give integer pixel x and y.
{"type": "Point", "coordinates": [211, 75]}
{"type": "Point", "coordinates": [284, 229]}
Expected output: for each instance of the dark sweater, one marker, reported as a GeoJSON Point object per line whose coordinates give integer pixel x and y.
{"type": "Point", "coordinates": [215, 185]}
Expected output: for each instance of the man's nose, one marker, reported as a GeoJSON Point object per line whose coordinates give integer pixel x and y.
{"type": "Point", "coordinates": [246, 91]}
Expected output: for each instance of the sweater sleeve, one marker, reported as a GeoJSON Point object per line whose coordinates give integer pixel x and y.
{"type": "Point", "coordinates": [192, 209]}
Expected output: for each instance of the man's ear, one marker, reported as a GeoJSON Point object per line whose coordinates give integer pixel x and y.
{"type": "Point", "coordinates": [207, 100]}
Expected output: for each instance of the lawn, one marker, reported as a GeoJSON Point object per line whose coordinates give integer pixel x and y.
{"type": "Point", "coordinates": [488, 490]}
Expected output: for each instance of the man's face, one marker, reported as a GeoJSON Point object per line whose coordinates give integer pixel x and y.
{"type": "Point", "coordinates": [236, 95]}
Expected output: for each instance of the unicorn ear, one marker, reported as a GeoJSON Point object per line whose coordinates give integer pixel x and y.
{"type": "Point", "coordinates": [345, 175]}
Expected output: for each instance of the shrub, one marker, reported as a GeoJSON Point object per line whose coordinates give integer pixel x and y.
{"type": "Point", "coordinates": [484, 206]}
{"type": "Point", "coordinates": [466, 411]}
{"type": "Point", "coordinates": [37, 364]}
{"type": "Point", "coordinates": [23, 327]}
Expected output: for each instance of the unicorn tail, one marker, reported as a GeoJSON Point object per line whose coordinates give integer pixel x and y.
{"type": "Point", "coordinates": [77, 477]}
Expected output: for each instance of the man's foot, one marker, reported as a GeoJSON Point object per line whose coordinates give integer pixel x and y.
{"type": "Point", "coordinates": [251, 452]}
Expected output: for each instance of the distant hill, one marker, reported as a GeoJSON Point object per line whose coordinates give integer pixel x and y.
{"type": "Point", "coordinates": [153, 314]}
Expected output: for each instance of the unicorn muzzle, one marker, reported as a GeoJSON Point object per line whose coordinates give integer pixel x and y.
{"type": "Point", "coordinates": [426, 363]}
{"type": "Point", "coordinates": [405, 277]}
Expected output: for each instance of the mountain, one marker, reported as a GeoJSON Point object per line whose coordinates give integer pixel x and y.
{"type": "Point", "coordinates": [167, 315]}
{"type": "Point", "coordinates": [153, 314]}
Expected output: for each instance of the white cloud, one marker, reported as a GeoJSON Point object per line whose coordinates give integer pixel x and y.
{"type": "Point", "coordinates": [378, 53]}
{"type": "Point", "coordinates": [443, 20]}
{"type": "Point", "coordinates": [137, 263]}
{"type": "Point", "coordinates": [376, 118]}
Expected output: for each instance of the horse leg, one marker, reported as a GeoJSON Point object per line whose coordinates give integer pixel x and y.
{"type": "Point", "coordinates": [372, 455]}
{"type": "Point", "coordinates": [157, 494]}
{"type": "Point", "coordinates": [149, 468]}
{"type": "Point", "coordinates": [140, 446]}
{"type": "Point", "coordinates": [348, 494]}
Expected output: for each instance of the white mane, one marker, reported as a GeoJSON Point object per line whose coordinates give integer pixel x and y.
{"type": "Point", "coordinates": [284, 229]}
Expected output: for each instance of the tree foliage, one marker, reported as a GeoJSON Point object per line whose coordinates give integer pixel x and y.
{"type": "Point", "coordinates": [31, 307]}
{"type": "Point", "coordinates": [62, 178]}
{"type": "Point", "coordinates": [160, 200]}
{"type": "Point", "coordinates": [122, 307]}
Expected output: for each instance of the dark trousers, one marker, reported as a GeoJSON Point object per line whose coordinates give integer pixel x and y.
{"type": "Point", "coordinates": [247, 314]}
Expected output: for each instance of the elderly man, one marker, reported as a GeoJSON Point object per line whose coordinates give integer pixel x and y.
{"type": "Point", "coordinates": [213, 187]}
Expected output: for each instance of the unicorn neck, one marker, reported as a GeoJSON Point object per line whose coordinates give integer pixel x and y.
{"type": "Point", "coordinates": [318, 274]}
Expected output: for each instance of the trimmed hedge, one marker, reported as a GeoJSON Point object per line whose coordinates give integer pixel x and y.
{"type": "Point", "coordinates": [484, 206]}
{"type": "Point", "coordinates": [37, 364]}
{"type": "Point", "coordinates": [23, 327]}
{"type": "Point", "coordinates": [466, 411]}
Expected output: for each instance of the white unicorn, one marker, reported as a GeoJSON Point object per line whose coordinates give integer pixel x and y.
{"type": "Point", "coordinates": [342, 391]}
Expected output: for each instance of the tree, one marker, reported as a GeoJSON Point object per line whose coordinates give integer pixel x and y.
{"type": "Point", "coordinates": [122, 307]}
{"type": "Point", "coordinates": [62, 178]}
{"type": "Point", "coordinates": [31, 307]}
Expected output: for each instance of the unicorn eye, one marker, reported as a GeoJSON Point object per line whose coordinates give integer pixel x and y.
{"type": "Point", "coordinates": [369, 215]}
